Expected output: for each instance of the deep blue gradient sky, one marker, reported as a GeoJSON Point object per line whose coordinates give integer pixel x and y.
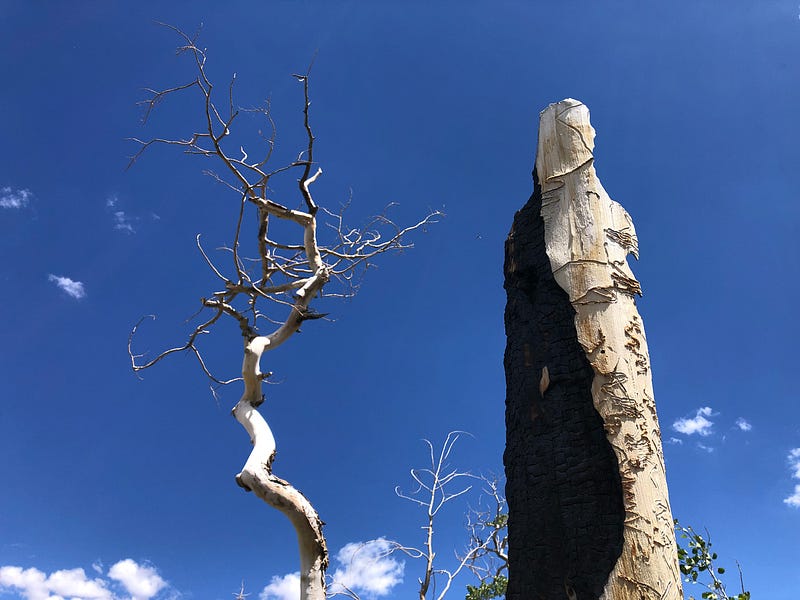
{"type": "Point", "coordinates": [433, 107]}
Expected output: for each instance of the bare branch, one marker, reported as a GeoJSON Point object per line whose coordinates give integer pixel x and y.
{"type": "Point", "coordinates": [189, 345]}
{"type": "Point", "coordinates": [158, 96]}
{"type": "Point", "coordinates": [236, 261]}
{"type": "Point", "coordinates": [231, 109]}
{"type": "Point", "coordinates": [208, 260]}
{"type": "Point", "coordinates": [219, 179]}
{"type": "Point", "coordinates": [190, 145]}
{"type": "Point", "coordinates": [304, 179]}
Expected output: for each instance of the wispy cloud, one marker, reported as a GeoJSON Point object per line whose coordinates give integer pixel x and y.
{"type": "Point", "coordinates": [122, 220]}
{"type": "Point", "coordinates": [366, 568]}
{"type": "Point", "coordinates": [794, 466]}
{"type": "Point", "coordinates": [11, 198]}
{"type": "Point", "coordinates": [141, 582]}
{"type": "Point", "coordinates": [71, 287]}
{"type": "Point", "coordinates": [743, 424]}
{"type": "Point", "coordinates": [699, 423]}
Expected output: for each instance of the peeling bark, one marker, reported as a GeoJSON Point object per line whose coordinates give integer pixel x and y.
{"type": "Point", "coordinates": [584, 461]}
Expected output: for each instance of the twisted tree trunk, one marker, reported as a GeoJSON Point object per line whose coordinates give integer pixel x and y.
{"type": "Point", "coordinates": [589, 515]}
{"type": "Point", "coordinates": [256, 476]}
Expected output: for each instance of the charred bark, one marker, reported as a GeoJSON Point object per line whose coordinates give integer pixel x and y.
{"type": "Point", "coordinates": [563, 486]}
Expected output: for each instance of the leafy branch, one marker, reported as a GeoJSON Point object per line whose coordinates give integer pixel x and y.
{"type": "Point", "coordinates": [696, 559]}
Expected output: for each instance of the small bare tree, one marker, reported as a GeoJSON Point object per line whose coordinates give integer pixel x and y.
{"type": "Point", "coordinates": [282, 276]}
{"type": "Point", "coordinates": [436, 486]}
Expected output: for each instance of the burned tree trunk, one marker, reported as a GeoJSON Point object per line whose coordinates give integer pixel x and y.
{"type": "Point", "coordinates": [589, 515]}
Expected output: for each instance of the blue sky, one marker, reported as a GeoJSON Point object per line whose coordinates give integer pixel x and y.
{"type": "Point", "coordinates": [435, 108]}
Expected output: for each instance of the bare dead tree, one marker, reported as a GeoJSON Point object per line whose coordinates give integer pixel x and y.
{"type": "Point", "coordinates": [241, 595]}
{"type": "Point", "coordinates": [283, 276]}
{"type": "Point", "coordinates": [436, 486]}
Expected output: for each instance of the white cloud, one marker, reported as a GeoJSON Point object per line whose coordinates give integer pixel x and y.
{"type": "Point", "coordinates": [674, 440]}
{"type": "Point", "coordinates": [708, 449]}
{"type": "Point", "coordinates": [71, 287]}
{"type": "Point", "coordinates": [368, 568]}
{"type": "Point", "coordinates": [743, 424]}
{"type": "Point", "coordinates": [794, 499]}
{"type": "Point", "coordinates": [698, 424]}
{"type": "Point", "coordinates": [794, 467]}
{"type": "Point", "coordinates": [74, 584]}
{"type": "Point", "coordinates": [794, 462]}
{"type": "Point", "coordinates": [142, 582]}
{"type": "Point", "coordinates": [282, 588]}
{"type": "Point", "coordinates": [33, 584]}
{"type": "Point", "coordinates": [10, 198]}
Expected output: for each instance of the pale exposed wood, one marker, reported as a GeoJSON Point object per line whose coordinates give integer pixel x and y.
{"type": "Point", "coordinates": [544, 382]}
{"type": "Point", "coordinates": [588, 237]}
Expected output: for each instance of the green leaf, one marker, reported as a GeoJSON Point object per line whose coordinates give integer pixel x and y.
{"type": "Point", "coordinates": [489, 588]}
